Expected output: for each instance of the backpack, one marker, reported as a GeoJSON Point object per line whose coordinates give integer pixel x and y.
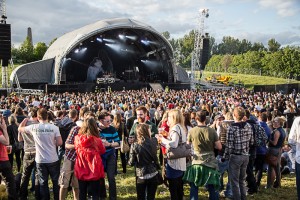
{"type": "Point", "coordinates": [64, 131]}
{"type": "Point", "coordinates": [260, 136]}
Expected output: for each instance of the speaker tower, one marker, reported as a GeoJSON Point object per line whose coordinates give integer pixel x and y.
{"type": "Point", "coordinates": [5, 42]}
{"type": "Point", "coordinates": [204, 52]}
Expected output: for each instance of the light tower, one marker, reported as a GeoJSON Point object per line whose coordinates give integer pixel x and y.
{"type": "Point", "coordinates": [200, 52]}
{"type": "Point", "coordinates": [3, 11]}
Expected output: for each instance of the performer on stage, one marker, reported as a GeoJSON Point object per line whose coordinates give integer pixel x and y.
{"type": "Point", "coordinates": [95, 70]}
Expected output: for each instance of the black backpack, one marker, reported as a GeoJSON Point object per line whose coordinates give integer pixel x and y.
{"type": "Point", "coordinates": [64, 131]}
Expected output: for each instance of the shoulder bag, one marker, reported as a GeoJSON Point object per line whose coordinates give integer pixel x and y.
{"type": "Point", "coordinates": [124, 143]}
{"type": "Point", "coordinates": [183, 149]}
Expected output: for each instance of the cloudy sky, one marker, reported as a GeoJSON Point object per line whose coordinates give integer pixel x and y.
{"type": "Point", "coordinates": [254, 20]}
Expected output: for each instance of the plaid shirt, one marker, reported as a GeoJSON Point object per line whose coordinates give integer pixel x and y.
{"type": "Point", "coordinates": [71, 153]}
{"type": "Point", "coordinates": [239, 139]}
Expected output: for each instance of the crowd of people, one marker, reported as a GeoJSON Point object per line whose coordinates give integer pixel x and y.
{"type": "Point", "coordinates": [75, 139]}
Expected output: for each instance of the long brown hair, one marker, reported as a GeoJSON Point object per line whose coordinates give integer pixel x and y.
{"type": "Point", "coordinates": [117, 120]}
{"type": "Point", "coordinates": [142, 132]}
{"type": "Point", "coordinates": [89, 127]}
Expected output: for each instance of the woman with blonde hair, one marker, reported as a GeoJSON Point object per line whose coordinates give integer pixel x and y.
{"type": "Point", "coordinates": [175, 168]}
{"type": "Point", "coordinates": [88, 168]}
{"type": "Point", "coordinates": [143, 157]}
{"type": "Point", "coordinates": [276, 142]}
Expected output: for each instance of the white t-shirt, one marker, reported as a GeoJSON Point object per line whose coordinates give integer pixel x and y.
{"type": "Point", "coordinates": [294, 137]}
{"type": "Point", "coordinates": [44, 135]}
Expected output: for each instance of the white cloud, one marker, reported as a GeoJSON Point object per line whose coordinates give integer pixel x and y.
{"type": "Point", "coordinates": [51, 19]}
{"type": "Point", "coordinates": [284, 38]}
{"type": "Point", "coordinates": [285, 8]}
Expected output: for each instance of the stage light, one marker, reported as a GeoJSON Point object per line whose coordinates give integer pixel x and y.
{"type": "Point", "coordinates": [92, 39]}
{"type": "Point", "coordinates": [145, 42]}
{"type": "Point", "coordinates": [109, 40]}
{"type": "Point", "coordinates": [133, 37]}
{"type": "Point", "coordinates": [99, 39]}
{"type": "Point", "coordinates": [122, 36]}
{"type": "Point", "coordinates": [115, 47]}
{"type": "Point", "coordinates": [80, 49]}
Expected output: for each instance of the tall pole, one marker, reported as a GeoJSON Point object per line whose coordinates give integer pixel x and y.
{"type": "Point", "coordinates": [195, 62]}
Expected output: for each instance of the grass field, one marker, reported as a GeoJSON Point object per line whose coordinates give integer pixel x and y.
{"type": "Point", "coordinates": [250, 80]}
{"type": "Point", "coordinates": [126, 189]}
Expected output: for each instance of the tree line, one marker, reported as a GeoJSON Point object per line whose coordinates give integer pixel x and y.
{"type": "Point", "coordinates": [241, 56]}
{"type": "Point", "coordinates": [230, 55]}
{"type": "Point", "coordinates": [27, 52]}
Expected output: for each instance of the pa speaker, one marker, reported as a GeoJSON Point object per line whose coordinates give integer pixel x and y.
{"type": "Point", "coordinates": [204, 52]}
{"type": "Point", "coordinates": [5, 41]}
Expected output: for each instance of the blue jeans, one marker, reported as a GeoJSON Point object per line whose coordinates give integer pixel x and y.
{"type": "Point", "coordinates": [213, 194]}
{"type": "Point", "coordinates": [297, 168]}
{"type": "Point", "coordinates": [292, 155]}
{"type": "Point", "coordinates": [223, 167]}
{"type": "Point", "coordinates": [43, 171]}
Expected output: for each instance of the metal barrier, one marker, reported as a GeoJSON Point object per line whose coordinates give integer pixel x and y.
{"type": "Point", "coordinates": [28, 91]}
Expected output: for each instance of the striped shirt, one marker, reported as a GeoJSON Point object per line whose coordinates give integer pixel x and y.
{"type": "Point", "coordinates": [111, 135]}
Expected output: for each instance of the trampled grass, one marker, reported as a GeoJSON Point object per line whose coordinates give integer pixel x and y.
{"type": "Point", "coordinates": [126, 189]}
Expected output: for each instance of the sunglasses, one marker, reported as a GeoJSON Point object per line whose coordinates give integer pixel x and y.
{"type": "Point", "coordinates": [106, 121]}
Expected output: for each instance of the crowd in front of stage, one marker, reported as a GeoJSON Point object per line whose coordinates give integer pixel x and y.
{"type": "Point", "coordinates": [76, 139]}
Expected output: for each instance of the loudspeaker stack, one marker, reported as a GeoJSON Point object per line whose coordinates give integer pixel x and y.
{"type": "Point", "coordinates": [5, 43]}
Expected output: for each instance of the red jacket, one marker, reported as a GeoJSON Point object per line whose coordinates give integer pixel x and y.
{"type": "Point", "coordinates": [3, 151]}
{"type": "Point", "coordinates": [88, 164]}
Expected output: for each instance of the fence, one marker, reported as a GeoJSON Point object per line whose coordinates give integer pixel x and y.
{"type": "Point", "coordinates": [284, 88]}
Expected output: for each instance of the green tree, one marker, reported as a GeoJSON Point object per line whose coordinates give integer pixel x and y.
{"type": "Point", "coordinates": [214, 63]}
{"type": "Point", "coordinates": [273, 64]}
{"type": "Point", "coordinates": [252, 62]}
{"type": "Point", "coordinates": [236, 65]}
{"type": "Point", "coordinates": [15, 54]}
{"type": "Point", "coordinates": [258, 46]}
{"type": "Point", "coordinates": [26, 51]}
{"type": "Point", "coordinates": [291, 61]}
{"type": "Point", "coordinates": [39, 50]}
{"type": "Point", "coordinates": [226, 61]}
{"type": "Point", "coordinates": [166, 34]}
{"type": "Point", "coordinates": [187, 48]}
{"type": "Point", "coordinates": [229, 45]}
{"type": "Point", "coordinates": [244, 46]}
{"type": "Point", "coordinates": [273, 45]}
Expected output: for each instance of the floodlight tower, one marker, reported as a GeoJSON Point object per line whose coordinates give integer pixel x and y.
{"type": "Point", "coordinates": [3, 11]}
{"type": "Point", "coordinates": [196, 67]}
{"type": "Point", "coordinates": [5, 43]}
